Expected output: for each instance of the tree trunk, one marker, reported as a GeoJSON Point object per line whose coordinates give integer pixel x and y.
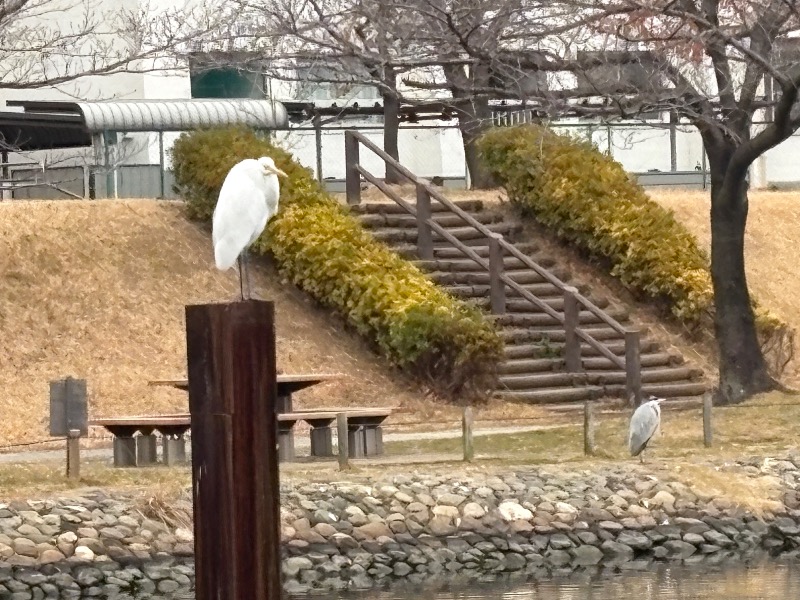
{"type": "Point", "coordinates": [391, 127]}
{"type": "Point", "coordinates": [742, 367]}
{"type": "Point", "coordinates": [474, 118]}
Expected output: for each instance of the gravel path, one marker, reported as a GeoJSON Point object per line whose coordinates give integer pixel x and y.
{"type": "Point", "coordinates": [301, 443]}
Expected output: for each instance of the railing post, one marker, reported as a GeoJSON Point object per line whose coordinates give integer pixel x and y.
{"type": "Point", "coordinates": [572, 343]}
{"type": "Point", "coordinates": [497, 289]}
{"type": "Point", "coordinates": [352, 176]}
{"type": "Point", "coordinates": [424, 232]}
{"type": "Point", "coordinates": [707, 432]}
{"type": "Point", "coordinates": [633, 367]}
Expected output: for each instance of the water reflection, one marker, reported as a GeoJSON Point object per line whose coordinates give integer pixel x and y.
{"type": "Point", "coordinates": [759, 580]}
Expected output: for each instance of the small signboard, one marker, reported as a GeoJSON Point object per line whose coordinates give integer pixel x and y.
{"type": "Point", "coordinates": [68, 407]}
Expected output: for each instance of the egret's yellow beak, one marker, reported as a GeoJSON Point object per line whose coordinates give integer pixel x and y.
{"type": "Point", "coordinates": [276, 171]}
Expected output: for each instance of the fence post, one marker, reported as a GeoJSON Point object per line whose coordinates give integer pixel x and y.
{"type": "Point", "coordinates": [466, 433]}
{"type": "Point", "coordinates": [588, 429]}
{"type": "Point", "coordinates": [633, 367]}
{"type": "Point", "coordinates": [707, 433]}
{"type": "Point", "coordinates": [352, 176]}
{"type": "Point", "coordinates": [572, 343]}
{"type": "Point", "coordinates": [232, 389]}
{"type": "Point", "coordinates": [74, 454]}
{"type": "Point", "coordinates": [497, 289]}
{"type": "Point", "coordinates": [424, 232]}
{"type": "Point", "coordinates": [343, 441]}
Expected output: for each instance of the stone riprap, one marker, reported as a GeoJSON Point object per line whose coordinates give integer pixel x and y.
{"type": "Point", "coordinates": [534, 522]}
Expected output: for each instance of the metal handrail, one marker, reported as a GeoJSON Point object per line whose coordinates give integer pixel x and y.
{"type": "Point", "coordinates": [573, 300]}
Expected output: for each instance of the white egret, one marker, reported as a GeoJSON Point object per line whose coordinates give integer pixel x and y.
{"type": "Point", "coordinates": [645, 421]}
{"type": "Point", "coordinates": [247, 200]}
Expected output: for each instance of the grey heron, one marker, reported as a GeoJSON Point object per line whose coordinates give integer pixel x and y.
{"type": "Point", "coordinates": [247, 200]}
{"type": "Point", "coordinates": [645, 422]}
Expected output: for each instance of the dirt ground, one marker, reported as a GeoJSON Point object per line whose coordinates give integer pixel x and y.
{"type": "Point", "coordinates": [97, 289]}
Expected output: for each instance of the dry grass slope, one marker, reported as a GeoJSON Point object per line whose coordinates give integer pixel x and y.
{"type": "Point", "coordinates": [97, 290]}
{"type": "Point", "coordinates": [773, 229]}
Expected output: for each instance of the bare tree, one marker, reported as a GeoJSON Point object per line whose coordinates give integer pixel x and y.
{"type": "Point", "coordinates": [49, 43]}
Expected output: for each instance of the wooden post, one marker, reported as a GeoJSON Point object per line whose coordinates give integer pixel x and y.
{"type": "Point", "coordinates": [466, 433]}
{"type": "Point", "coordinates": [707, 434]}
{"type": "Point", "coordinates": [497, 289]}
{"type": "Point", "coordinates": [342, 435]}
{"type": "Point", "coordinates": [317, 121]}
{"type": "Point", "coordinates": [232, 395]}
{"type": "Point", "coordinates": [352, 175]}
{"type": "Point", "coordinates": [74, 454]}
{"type": "Point", "coordinates": [572, 343]}
{"type": "Point", "coordinates": [588, 429]}
{"type": "Point", "coordinates": [424, 232]}
{"type": "Point", "coordinates": [633, 367]}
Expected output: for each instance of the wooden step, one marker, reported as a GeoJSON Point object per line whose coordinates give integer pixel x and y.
{"type": "Point", "coordinates": [542, 319]}
{"type": "Point", "coordinates": [521, 306]}
{"type": "Point", "coordinates": [557, 335]}
{"type": "Point", "coordinates": [543, 380]}
{"type": "Point", "coordinates": [553, 395]}
{"type": "Point", "coordinates": [590, 364]}
{"type": "Point", "coordinates": [529, 344]}
{"type": "Point", "coordinates": [530, 365]}
{"type": "Point", "coordinates": [522, 277]}
{"type": "Point", "coordinates": [660, 375]}
{"type": "Point", "coordinates": [391, 207]}
{"type": "Point", "coordinates": [389, 234]}
{"type": "Point", "coordinates": [405, 220]}
{"type": "Point", "coordinates": [527, 248]}
{"type": "Point", "coordinates": [659, 359]}
{"type": "Point", "coordinates": [468, 271]}
{"type": "Point", "coordinates": [663, 390]}
{"type": "Point", "coordinates": [540, 290]}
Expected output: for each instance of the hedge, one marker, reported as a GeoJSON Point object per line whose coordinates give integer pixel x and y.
{"type": "Point", "coordinates": [322, 249]}
{"type": "Point", "coordinates": [587, 199]}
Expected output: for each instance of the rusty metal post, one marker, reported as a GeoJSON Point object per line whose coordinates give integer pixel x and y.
{"type": "Point", "coordinates": [352, 176]}
{"type": "Point", "coordinates": [572, 343]}
{"type": "Point", "coordinates": [424, 232]}
{"type": "Point", "coordinates": [232, 395]}
{"type": "Point", "coordinates": [633, 367]}
{"type": "Point", "coordinates": [497, 289]}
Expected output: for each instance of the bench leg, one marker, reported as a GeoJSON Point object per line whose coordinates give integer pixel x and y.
{"type": "Point", "coordinates": [356, 441]}
{"type": "Point", "coordinates": [373, 440]}
{"type": "Point", "coordinates": [285, 445]}
{"type": "Point", "coordinates": [174, 449]}
{"type": "Point", "coordinates": [124, 451]}
{"type": "Point", "coordinates": [321, 441]}
{"type": "Point", "coordinates": [146, 450]}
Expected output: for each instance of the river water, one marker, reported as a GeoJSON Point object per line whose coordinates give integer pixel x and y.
{"type": "Point", "coordinates": [761, 580]}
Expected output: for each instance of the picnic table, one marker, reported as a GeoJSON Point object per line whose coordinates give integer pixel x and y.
{"type": "Point", "coordinates": [365, 434]}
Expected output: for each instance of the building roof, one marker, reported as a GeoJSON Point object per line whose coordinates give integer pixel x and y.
{"type": "Point", "coordinates": [24, 132]}
{"type": "Point", "coordinates": [165, 115]}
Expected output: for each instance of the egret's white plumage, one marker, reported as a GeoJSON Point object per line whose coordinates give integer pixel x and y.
{"type": "Point", "coordinates": [644, 423]}
{"type": "Point", "coordinates": [247, 201]}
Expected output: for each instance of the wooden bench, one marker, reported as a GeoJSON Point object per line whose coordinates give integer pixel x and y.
{"type": "Point", "coordinates": [131, 450]}
{"type": "Point", "coordinates": [365, 434]}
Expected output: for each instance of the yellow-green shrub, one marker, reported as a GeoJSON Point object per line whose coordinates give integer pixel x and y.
{"type": "Point", "coordinates": [586, 198]}
{"type": "Point", "coordinates": [325, 251]}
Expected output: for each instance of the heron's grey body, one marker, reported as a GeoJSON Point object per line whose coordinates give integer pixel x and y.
{"type": "Point", "coordinates": [644, 424]}
{"type": "Point", "coordinates": [247, 201]}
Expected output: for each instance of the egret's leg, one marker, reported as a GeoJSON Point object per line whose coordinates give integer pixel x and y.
{"type": "Point", "coordinates": [246, 262]}
{"type": "Point", "coordinates": [240, 262]}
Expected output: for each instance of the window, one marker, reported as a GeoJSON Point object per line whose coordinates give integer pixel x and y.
{"type": "Point", "coordinates": [225, 76]}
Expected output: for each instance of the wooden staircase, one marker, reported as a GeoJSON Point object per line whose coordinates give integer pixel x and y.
{"type": "Point", "coordinates": [561, 343]}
